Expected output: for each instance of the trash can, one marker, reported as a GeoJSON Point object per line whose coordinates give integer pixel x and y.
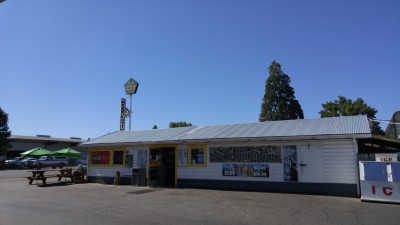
{"type": "Point", "coordinates": [135, 176]}
{"type": "Point", "coordinates": [141, 177]}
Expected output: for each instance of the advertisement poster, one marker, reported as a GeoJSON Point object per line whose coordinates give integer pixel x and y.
{"type": "Point", "coordinates": [246, 154]}
{"type": "Point", "coordinates": [182, 158]}
{"type": "Point", "coordinates": [245, 170]}
{"type": "Point", "coordinates": [100, 157]}
{"type": "Point", "coordinates": [142, 159]}
{"type": "Point", "coordinates": [289, 153]}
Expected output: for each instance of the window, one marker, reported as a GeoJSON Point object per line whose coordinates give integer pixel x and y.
{"type": "Point", "coordinates": [118, 158]}
{"type": "Point", "coordinates": [197, 156]}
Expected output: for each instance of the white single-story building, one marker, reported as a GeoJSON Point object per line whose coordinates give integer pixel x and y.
{"type": "Point", "coordinates": [316, 156]}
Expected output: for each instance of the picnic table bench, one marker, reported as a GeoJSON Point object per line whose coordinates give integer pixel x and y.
{"type": "Point", "coordinates": [66, 173]}
{"type": "Point", "coordinates": [42, 178]}
{"type": "Point", "coordinates": [39, 175]}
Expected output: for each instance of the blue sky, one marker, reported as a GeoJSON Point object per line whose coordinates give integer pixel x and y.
{"type": "Point", "coordinates": [63, 64]}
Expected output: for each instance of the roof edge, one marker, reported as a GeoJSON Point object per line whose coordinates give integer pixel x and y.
{"type": "Point", "coordinates": [223, 140]}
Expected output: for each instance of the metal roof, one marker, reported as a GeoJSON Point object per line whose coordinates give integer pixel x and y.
{"type": "Point", "coordinates": [44, 138]}
{"type": "Point", "coordinates": [354, 126]}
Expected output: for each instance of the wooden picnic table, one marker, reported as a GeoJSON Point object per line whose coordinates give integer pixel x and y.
{"type": "Point", "coordinates": [39, 175]}
{"type": "Point", "coordinates": [66, 173]}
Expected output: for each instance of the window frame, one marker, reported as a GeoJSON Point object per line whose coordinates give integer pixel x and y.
{"type": "Point", "coordinates": [190, 153]}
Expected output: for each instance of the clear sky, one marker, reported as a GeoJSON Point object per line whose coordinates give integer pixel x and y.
{"type": "Point", "coordinates": [63, 64]}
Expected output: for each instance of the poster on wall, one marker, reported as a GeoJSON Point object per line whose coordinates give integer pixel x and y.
{"type": "Point", "coordinates": [142, 159]}
{"type": "Point", "coordinates": [245, 170]}
{"type": "Point", "coordinates": [246, 154]}
{"type": "Point", "coordinates": [100, 157]}
{"type": "Point", "coordinates": [182, 158]}
{"type": "Point", "coordinates": [289, 154]}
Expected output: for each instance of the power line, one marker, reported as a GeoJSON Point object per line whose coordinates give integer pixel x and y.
{"type": "Point", "coordinates": [384, 121]}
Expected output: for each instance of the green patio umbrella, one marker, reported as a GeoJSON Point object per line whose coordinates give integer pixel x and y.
{"type": "Point", "coordinates": [68, 152]}
{"type": "Point", "coordinates": [37, 152]}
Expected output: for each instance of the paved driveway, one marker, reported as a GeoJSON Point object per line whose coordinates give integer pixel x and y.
{"type": "Point", "coordinates": [88, 204]}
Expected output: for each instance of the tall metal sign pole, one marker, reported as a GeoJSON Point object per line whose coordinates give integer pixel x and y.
{"type": "Point", "coordinates": [131, 87]}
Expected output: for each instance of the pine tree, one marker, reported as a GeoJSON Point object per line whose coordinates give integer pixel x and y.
{"type": "Point", "coordinates": [279, 102]}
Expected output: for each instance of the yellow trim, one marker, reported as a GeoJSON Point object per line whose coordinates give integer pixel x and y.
{"type": "Point", "coordinates": [155, 146]}
{"type": "Point", "coordinates": [161, 146]}
{"type": "Point", "coordinates": [176, 167]}
{"type": "Point", "coordinates": [190, 163]}
{"type": "Point", "coordinates": [111, 151]}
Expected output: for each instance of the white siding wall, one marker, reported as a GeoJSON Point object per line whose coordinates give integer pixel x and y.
{"type": "Point", "coordinates": [337, 165]}
{"type": "Point", "coordinates": [338, 162]}
{"type": "Point", "coordinates": [108, 172]}
{"type": "Point", "coordinates": [213, 171]}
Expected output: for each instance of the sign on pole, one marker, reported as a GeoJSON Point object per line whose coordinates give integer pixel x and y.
{"type": "Point", "coordinates": [122, 117]}
{"type": "Point", "coordinates": [131, 86]}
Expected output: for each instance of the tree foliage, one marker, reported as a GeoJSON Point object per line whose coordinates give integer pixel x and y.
{"type": "Point", "coordinates": [179, 124]}
{"type": "Point", "coordinates": [4, 133]}
{"type": "Point", "coordinates": [347, 107]}
{"type": "Point", "coordinates": [279, 102]}
{"type": "Point", "coordinates": [155, 127]}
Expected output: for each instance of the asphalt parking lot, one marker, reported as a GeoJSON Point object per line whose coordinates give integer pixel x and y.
{"type": "Point", "coordinates": [88, 203]}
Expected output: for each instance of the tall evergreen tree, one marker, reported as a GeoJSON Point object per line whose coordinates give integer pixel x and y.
{"type": "Point", "coordinates": [279, 102]}
{"type": "Point", "coordinates": [347, 107]}
{"type": "Point", "coordinates": [4, 133]}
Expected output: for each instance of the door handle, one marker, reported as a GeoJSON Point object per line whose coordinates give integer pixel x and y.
{"type": "Point", "coordinates": [302, 164]}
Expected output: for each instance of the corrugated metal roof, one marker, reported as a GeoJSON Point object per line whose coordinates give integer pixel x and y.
{"type": "Point", "coordinates": [328, 127]}
{"type": "Point", "coordinates": [44, 138]}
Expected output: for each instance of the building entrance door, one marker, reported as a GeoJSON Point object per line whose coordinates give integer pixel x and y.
{"type": "Point", "coordinates": [310, 164]}
{"type": "Point", "coordinates": [162, 167]}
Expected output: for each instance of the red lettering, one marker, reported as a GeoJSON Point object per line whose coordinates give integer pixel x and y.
{"type": "Point", "coordinates": [386, 192]}
{"type": "Point", "coordinates": [386, 159]}
{"type": "Point", "coordinates": [373, 190]}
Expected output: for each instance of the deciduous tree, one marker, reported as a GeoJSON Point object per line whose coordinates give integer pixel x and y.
{"type": "Point", "coordinates": [347, 107]}
{"type": "Point", "coordinates": [179, 124]}
{"type": "Point", "coordinates": [4, 133]}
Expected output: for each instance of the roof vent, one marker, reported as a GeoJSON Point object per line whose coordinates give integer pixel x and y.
{"type": "Point", "coordinates": [42, 135]}
{"type": "Point", "coordinates": [76, 138]}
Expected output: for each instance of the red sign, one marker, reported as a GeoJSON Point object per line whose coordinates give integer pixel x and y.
{"type": "Point", "coordinates": [100, 157]}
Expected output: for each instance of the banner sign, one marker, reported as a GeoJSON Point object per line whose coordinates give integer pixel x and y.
{"type": "Point", "coordinates": [245, 170]}
{"type": "Point", "coordinates": [245, 154]}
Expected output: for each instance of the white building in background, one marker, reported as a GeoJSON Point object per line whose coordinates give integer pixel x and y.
{"type": "Point", "coordinates": [20, 143]}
